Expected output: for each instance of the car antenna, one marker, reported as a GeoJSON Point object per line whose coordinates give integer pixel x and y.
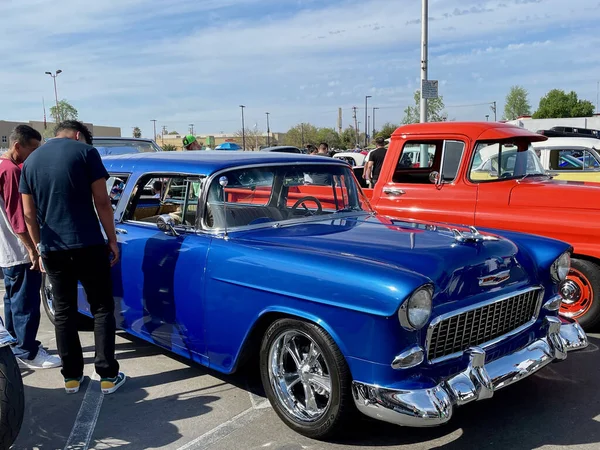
{"type": "Point", "coordinates": [223, 181]}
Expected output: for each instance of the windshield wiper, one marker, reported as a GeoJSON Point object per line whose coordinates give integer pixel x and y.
{"type": "Point", "coordinates": [537, 174]}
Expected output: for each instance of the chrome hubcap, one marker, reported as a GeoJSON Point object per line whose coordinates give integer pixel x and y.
{"type": "Point", "coordinates": [48, 297]}
{"type": "Point", "coordinates": [570, 292]}
{"type": "Point", "coordinates": [300, 376]}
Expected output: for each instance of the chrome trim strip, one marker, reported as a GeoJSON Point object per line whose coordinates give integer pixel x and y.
{"type": "Point", "coordinates": [485, 345]}
{"type": "Point", "coordinates": [435, 405]}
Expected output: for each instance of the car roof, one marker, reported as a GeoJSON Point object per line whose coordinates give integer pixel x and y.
{"type": "Point", "coordinates": [117, 138]}
{"type": "Point", "coordinates": [484, 131]}
{"type": "Point", "coordinates": [204, 161]}
{"type": "Point", "coordinates": [278, 147]}
{"type": "Point", "coordinates": [570, 141]}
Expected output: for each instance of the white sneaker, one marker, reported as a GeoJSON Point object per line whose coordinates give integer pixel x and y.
{"type": "Point", "coordinates": [42, 361]}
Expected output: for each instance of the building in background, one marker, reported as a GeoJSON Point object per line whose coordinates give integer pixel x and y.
{"type": "Point", "coordinates": [531, 124]}
{"type": "Point", "coordinates": [253, 141]}
{"type": "Point", "coordinates": [6, 128]}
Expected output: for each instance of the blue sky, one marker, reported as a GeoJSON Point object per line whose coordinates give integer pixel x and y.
{"type": "Point", "coordinates": [126, 62]}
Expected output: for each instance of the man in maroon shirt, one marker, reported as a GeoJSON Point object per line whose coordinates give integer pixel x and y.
{"type": "Point", "coordinates": [18, 257]}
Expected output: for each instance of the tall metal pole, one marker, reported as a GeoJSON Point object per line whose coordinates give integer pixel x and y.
{"type": "Point", "coordinates": [374, 108]}
{"type": "Point", "coordinates": [243, 129]}
{"type": "Point", "coordinates": [424, 44]}
{"type": "Point", "coordinates": [302, 133]}
{"type": "Point", "coordinates": [597, 96]}
{"type": "Point", "coordinates": [57, 118]}
{"type": "Point", "coordinates": [268, 132]}
{"type": "Point", "coordinates": [154, 124]}
{"type": "Point", "coordinates": [355, 125]}
{"type": "Point", "coordinates": [367, 97]}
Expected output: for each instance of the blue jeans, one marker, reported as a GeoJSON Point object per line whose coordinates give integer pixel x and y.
{"type": "Point", "coordinates": [22, 308]}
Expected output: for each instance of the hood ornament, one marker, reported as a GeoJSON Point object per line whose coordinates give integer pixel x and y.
{"type": "Point", "coordinates": [495, 279]}
{"type": "Point", "coordinates": [473, 235]}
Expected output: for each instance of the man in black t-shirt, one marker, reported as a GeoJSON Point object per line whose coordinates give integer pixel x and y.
{"type": "Point", "coordinates": [376, 159]}
{"type": "Point", "coordinates": [64, 194]}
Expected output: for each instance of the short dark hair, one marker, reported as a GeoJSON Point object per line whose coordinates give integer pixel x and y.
{"type": "Point", "coordinates": [380, 141]}
{"type": "Point", "coordinates": [75, 125]}
{"type": "Point", "coordinates": [157, 185]}
{"type": "Point", "coordinates": [324, 145]}
{"type": "Point", "coordinates": [23, 134]}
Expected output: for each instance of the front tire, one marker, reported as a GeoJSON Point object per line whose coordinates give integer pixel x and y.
{"type": "Point", "coordinates": [581, 293]}
{"type": "Point", "coordinates": [47, 297]}
{"type": "Point", "coordinates": [306, 378]}
{"type": "Point", "coordinates": [12, 398]}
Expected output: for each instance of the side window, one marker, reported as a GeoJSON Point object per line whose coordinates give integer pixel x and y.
{"type": "Point", "coordinates": [155, 195]}
{"type": "Point", "coordinates": [419, 159]}
{"type": "Point", "coordinates": [115, 185]}
{"type": "Point", "coordinates": [565, 160]}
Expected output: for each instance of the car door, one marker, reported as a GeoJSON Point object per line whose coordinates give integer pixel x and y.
{"type": "Point", "coordinates": [159, 282]}
{"type": "Point", "coordinates": [413, 191]}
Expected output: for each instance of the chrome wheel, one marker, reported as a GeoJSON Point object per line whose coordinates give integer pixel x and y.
{"type": "Point", "coordinates": [48, 297]}
{"type": "Point", "coordinates": [299, 376]}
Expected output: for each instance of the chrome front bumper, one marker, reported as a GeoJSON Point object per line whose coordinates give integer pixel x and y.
{"type": "Point", "coordinates": [434, 406]}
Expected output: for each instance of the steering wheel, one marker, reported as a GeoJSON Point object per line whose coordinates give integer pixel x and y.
{"type": "Point", "coordinates": [310, 198]}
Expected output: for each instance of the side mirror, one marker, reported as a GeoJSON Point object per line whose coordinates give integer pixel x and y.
{"type": "Point", "coordinates": [434, 177]}
{"type": "Point", "coordinates": [166, 224]}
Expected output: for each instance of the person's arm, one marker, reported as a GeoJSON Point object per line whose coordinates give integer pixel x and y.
{"type": "Point", "coordinates": [33, 228]}
{"type": "Point", "coordinates": [369, 170]}
{"type": "Point", "coordinates": [106, 216]}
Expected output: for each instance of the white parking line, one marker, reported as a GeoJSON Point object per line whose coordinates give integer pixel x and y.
{"type": "Point", "coordinates": [226, 428]}
{"type": "Point", "coordinates": [85, 423]}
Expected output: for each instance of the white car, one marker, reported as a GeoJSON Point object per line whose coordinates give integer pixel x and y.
{"type": "Point", "coordinates": [352, 158]}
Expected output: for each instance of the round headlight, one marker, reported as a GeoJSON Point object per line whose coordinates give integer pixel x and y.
{"type": "Point", "coordinates": [416, 311]}
{"type": "Point", "coordinates": [560, 268]}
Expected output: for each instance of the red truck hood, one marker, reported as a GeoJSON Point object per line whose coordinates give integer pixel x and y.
{"type": "Point", "coordinates": [556, 194]}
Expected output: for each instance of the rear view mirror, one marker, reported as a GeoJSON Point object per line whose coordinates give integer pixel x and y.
{"type": "Point", "coordinates": [166, 224]}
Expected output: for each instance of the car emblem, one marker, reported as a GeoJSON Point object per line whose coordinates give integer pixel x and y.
{"type": "Point", "coordinates": [493, 280]}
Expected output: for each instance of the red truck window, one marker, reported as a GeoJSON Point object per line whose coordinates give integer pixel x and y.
{"type": "Point", "coordinates": [419, 159]}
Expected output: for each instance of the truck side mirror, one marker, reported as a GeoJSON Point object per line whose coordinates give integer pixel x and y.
{"type": "Point", "coordinates": [435, 178]}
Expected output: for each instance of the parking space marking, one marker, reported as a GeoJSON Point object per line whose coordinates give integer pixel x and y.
{"type": "Point", "coordinates": [208, 439]}
{"type": "Point", "coordinates": [85, 423]}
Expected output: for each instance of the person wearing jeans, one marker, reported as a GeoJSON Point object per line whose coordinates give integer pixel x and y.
{"type": "Point", "coordinates": [18, 257]}
{"type": "Point", "coordinates": [64, 194]}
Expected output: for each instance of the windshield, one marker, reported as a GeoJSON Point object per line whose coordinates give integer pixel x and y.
{"type": "Point", "coordinates": [271, 194]}
{"type": "Point", "coordinates": [127, 146]}
{"type": "Point", "coordinates": [504, 160]}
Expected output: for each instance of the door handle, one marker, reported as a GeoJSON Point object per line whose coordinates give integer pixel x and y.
{"type": "Point", "coordinates": [393, 191]}
{"type": "Point", "coordinates": [120, 231]}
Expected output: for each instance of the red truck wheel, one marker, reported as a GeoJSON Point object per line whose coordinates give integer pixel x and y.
{"type": "Point", "coordinates": [581, 293]}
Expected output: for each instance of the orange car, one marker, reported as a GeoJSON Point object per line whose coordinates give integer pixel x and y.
{"type": "Point", "coordinates": [487, 174]}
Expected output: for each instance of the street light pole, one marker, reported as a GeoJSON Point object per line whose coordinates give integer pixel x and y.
{"type": "Point", "coordinates": [374, 108]}
{"type": "Point", "coordinates": [424, 44]}
{"type": "Point", "coordinates": [268, 132]}
{"type": "Point", "coordinates": [367, 97]}
{"type": "Point", "coordinates": [154, 137]}
{"type": "Point", "coordinates": [243, 129]}
{"type": "Point", "coordinates": [57, 118]}
{"type": "Point", "coordinates": [191, 128]}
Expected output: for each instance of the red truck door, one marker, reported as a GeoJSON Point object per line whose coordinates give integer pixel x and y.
{"type": "Point", "coordinates": [411, 186]}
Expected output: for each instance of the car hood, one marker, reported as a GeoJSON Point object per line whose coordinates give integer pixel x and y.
{"type": "Point", "coordinates": [422, 248]}
{"type": "Point", "coordinates": [555, 194]}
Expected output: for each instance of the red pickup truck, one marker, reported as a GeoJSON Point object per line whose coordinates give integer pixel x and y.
{"type": "Point", "coordinates": [488, 175]}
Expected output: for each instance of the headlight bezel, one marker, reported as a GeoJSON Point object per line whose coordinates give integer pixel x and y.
{"type": "Point", "coordinates": [405, 307]}
{"type": "Point", "coordinates": [560, 268]}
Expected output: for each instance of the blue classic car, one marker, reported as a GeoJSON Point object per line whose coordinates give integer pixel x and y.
{"type": "Point", "coordinates": [279, 257]}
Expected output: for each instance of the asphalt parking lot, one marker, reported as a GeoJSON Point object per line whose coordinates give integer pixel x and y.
{"type": "Point", "coordinates": [169, 403]}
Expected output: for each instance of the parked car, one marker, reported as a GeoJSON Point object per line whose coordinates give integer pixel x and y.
{"type": "Point", "coordinates": [121, 145]}
{"type": "Point", "coordinates": [465, 183]}
{"type": "Point", "coordinates": [354, 159]}
{"type": "Point", "coordinates": [570, 158]}
{"type": "Point", "coordinates": [279, 258]}
{"type": "Point", "coordinates": [282, 149]}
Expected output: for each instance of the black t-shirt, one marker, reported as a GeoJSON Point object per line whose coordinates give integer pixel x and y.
{"type": "Point", "coordinates": [59, 176]}
{"type": "Point", "coordinates": [377, 157]}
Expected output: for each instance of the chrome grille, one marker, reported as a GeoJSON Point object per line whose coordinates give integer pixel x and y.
{"type": "Point", "coordinates": [449, 335]}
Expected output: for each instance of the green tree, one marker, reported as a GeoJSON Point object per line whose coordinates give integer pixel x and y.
{"type": "Point", "coordinates": [169, 147]}
{"type": "Point", "coordinates": [435, 110]}
{"type": "Point", "coordinates": [301, 135]}
{"type": "Point", "coordinates": [64, 111]}
{"type": "Point", "coordinates": [557, 103]}
{"type": "Point", "coordinates": [173, 132]}
{"type": "Point", "coordinates": [349, 137]}
{"type": "Point", "coordinates": [387, 130]}
{"type": "Point", "coordinates": [516, 104]}
{"type": "Point", "coordinates": [137, 133]}
{"type": "Point", "coordinates": [330, 136]}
